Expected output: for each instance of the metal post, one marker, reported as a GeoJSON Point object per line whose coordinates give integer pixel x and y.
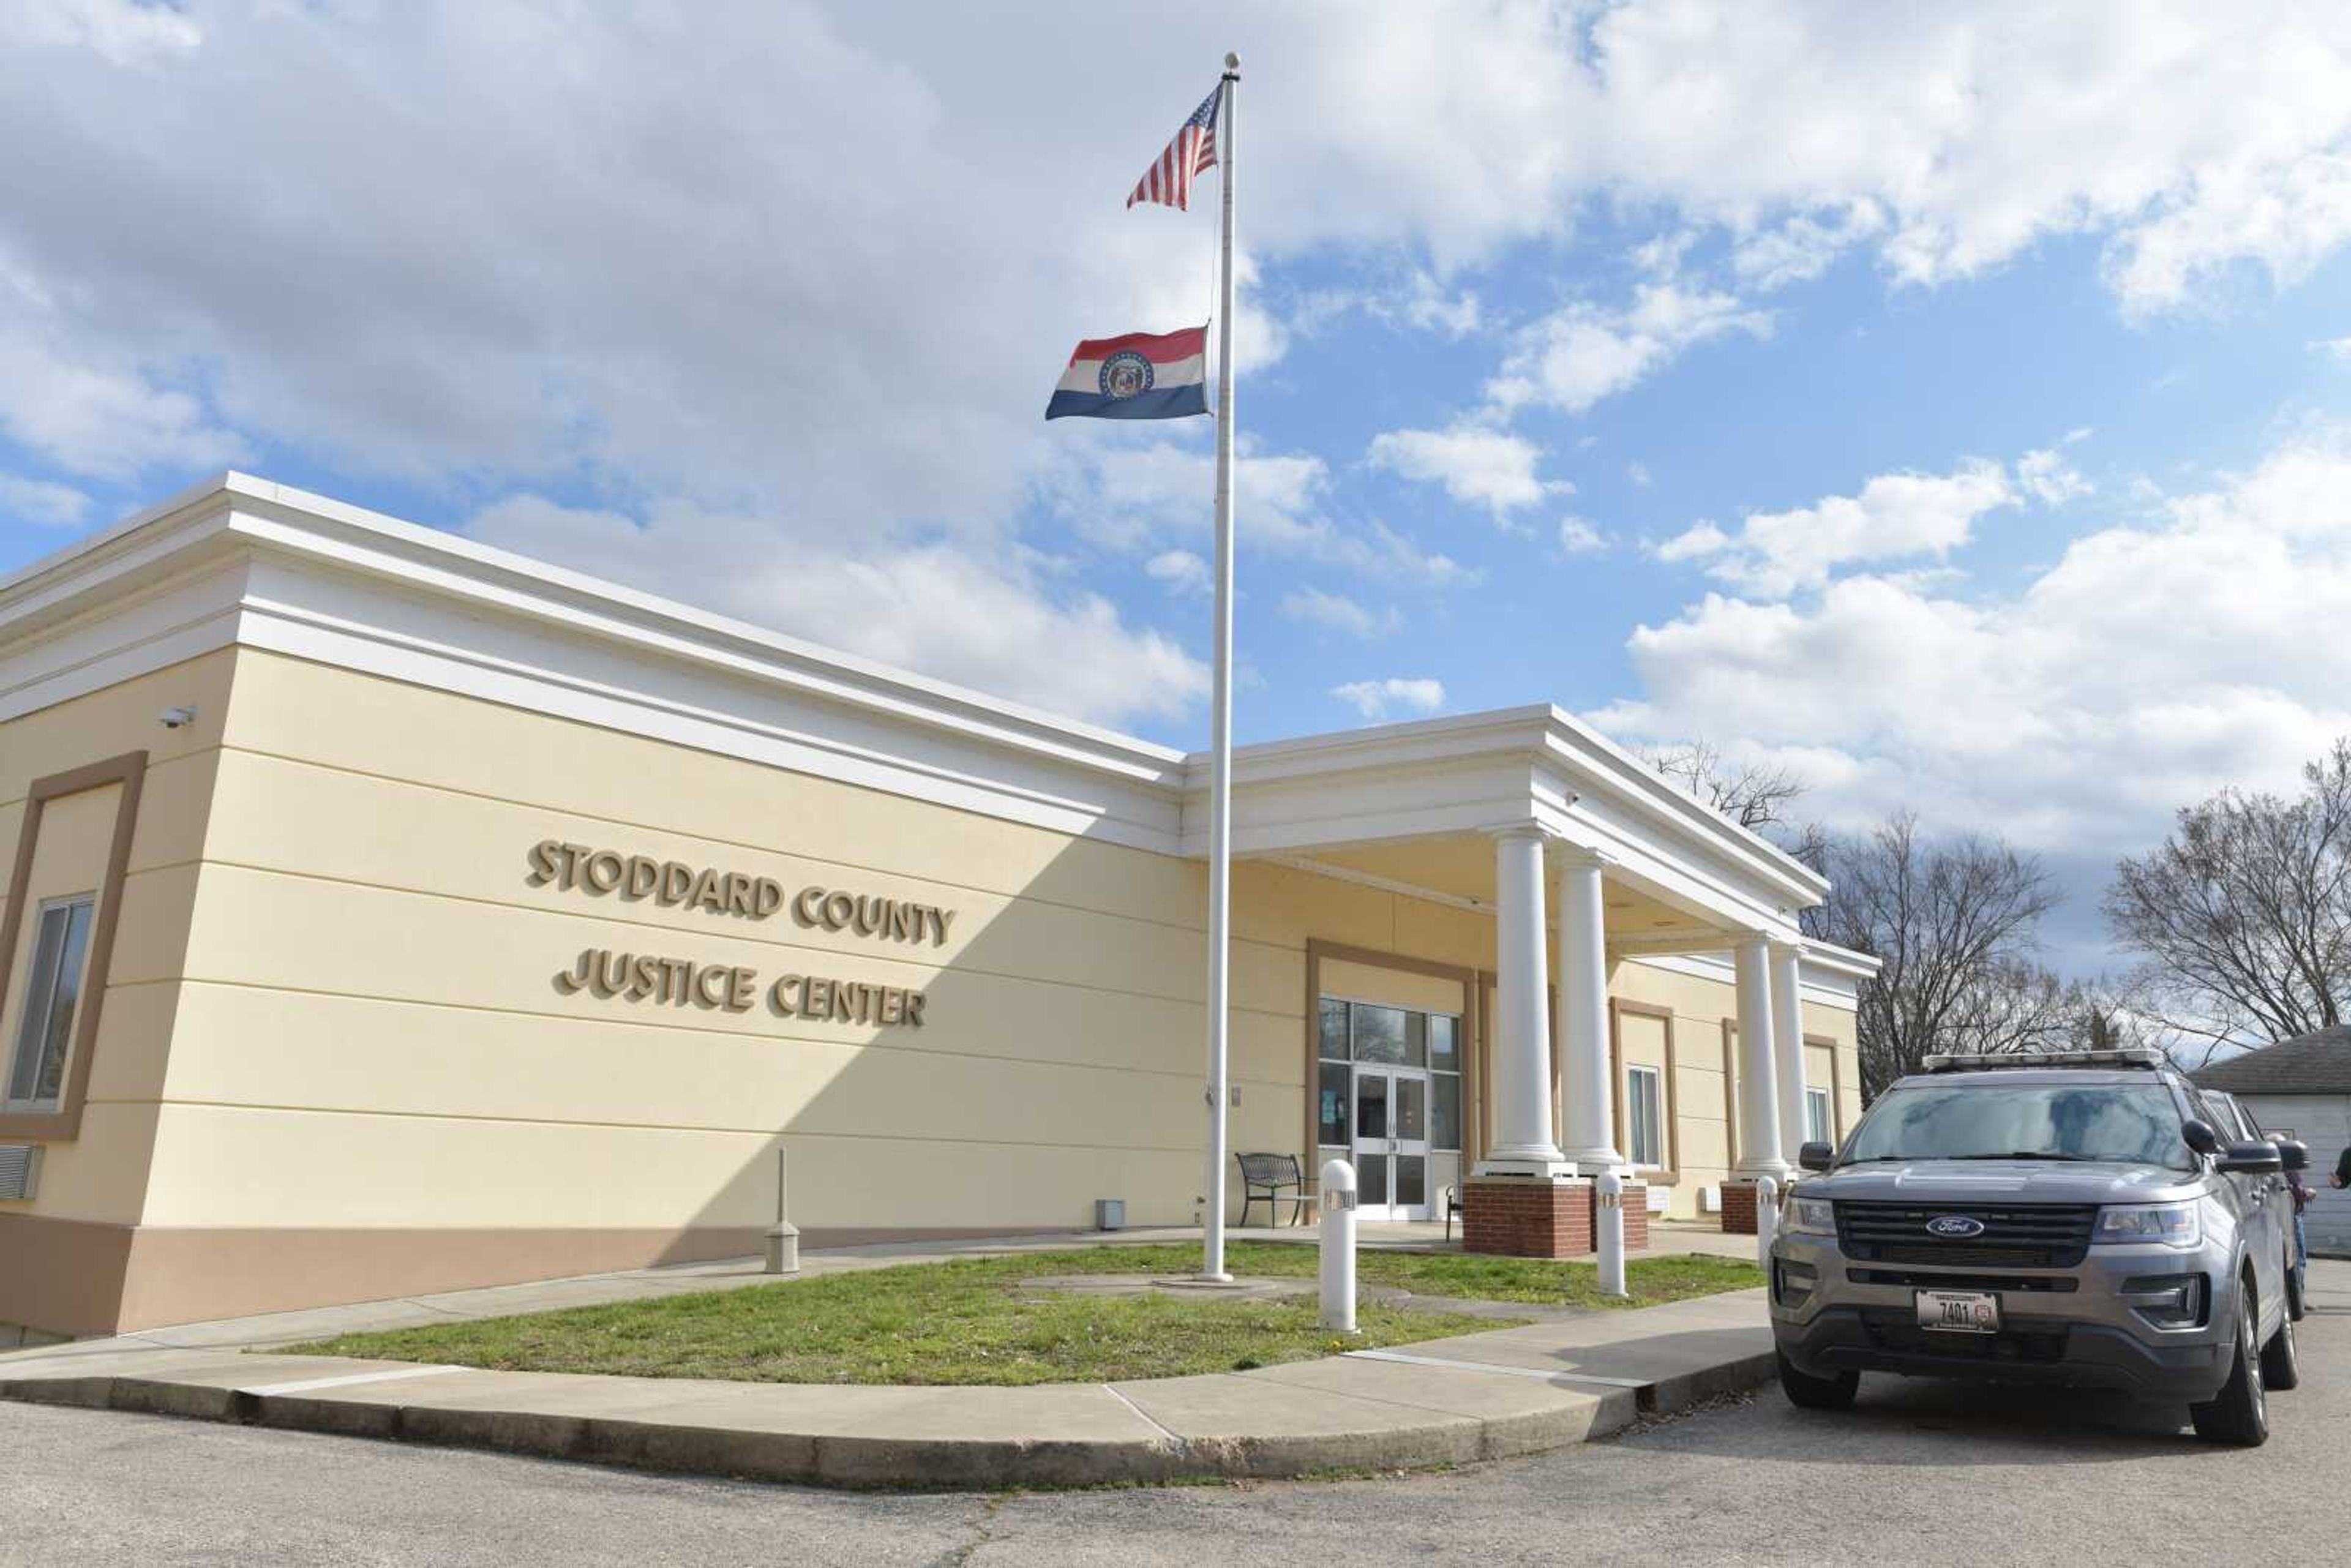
{"type": "Point", "coordinates": [1610, 1189]}
{"type": "Point", "coordinates": [1220, 741]}
{"type": "Point", "coordinates": [1338, 1247]}
{"type": "Point", "coordinates": [1767, 1221]}
{"type": "Point", "coordinates": [783, 1237]}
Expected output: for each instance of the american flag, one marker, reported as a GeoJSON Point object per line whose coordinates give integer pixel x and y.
{"type": "Point", "coordinates": [1169, 179]}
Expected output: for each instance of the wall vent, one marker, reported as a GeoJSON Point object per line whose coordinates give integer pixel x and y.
{"type": "Point", "coordinates": [20, 1168]}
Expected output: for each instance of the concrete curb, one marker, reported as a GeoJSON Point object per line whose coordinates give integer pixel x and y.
{"type": "Point", "coordinates": [836, 1460]}
{"type": "Point", "coordinates": [853, 1462]}
{"type": "Point", "coordinates": [1455, 1401]}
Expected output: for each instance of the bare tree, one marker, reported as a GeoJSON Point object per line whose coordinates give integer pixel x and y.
{"type": "Point", "coordinates": [1954, 924]}
{"type": "Point", "coordinates": [1753, 795]}
{"type": "Point", "coordinates": [2243, 914]}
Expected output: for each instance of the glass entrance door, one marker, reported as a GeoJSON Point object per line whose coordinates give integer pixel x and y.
{"type": "Point", "coordinates": [1391, 1148]}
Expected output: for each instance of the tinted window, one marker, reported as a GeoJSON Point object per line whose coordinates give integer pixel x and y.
{"type": "Point", "coordinates": [2135, 1123]}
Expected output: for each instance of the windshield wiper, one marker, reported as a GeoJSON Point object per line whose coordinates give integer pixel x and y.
{"type": "Point", "coordinates": [2025, 1155]}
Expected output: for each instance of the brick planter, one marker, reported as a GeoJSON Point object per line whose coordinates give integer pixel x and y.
{"type": "Point", "coordinates": [1739, 1208]}
{"type": "Point", "coordinates": [1507, 1216]}
{"type": "Point", "coordinates": [1527, 1219]}
{"type": "Point", "coordinates": [1636, 1215]}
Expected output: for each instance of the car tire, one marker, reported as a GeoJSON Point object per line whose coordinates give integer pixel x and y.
{"type": "Point", "coordinates": [2240, 1413]}
{"type": "Point", "coordinates": [1809, 1393]}
{"type": "Point", "coordinates": [2296, 1308]}
{"type": "Point", "coordinates": [2281, 1362]}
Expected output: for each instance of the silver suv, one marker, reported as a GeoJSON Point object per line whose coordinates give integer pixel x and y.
{"type": "Point", "coordinates": [2080, 1218]}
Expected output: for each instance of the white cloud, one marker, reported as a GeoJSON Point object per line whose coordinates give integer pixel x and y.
{"type": "Point", "coordinates": [2151, 664]}
{"type": "Point", "coordinates": [120, 32]}
{"type": "Point", "coordinates": [986, 620]}
{"type": "Point", "coordinates": [2048, 479]}
{"type": "Point", "coordinates": [2335, 349]}
{"type": "Point", "coordinates": [1895, 516]}
{"type": "Point", "coordinates": [1639, 473]}
{"type": "Point", "coordinates": [1577, 356]}
{"type": "Point", "coordinates": [1129, 498]}
{"type": "Point", "coordinates": [42, 502]}
{"type": "Point", "coordinates": [1478, 465]}
{"type": "Point", "coordinates": [1377, 699]}
{"type": "Point", "coordinates": [1578, 537]}
{"type": "Point", "coordinates": [1181, 570]}
{"type": "Point", "coordinates": [1337, 612]}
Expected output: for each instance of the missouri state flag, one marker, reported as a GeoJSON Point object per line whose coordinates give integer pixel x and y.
{"type": "Point", "coordinates": [1142, 375]}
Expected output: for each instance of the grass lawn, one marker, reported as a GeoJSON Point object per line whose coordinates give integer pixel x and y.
{"type": "Point", "coordinates": [967, 1321]}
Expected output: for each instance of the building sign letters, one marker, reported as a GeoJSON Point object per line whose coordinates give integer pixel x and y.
{"type": "Point", "coordinates": [681, 982]}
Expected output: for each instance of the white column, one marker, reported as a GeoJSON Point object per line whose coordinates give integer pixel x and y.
{"type": "Point", "coordinates": [1522, 1135]}
{"type": "Point", "coordinates": [1759, 1093]}
{"type": "Point", "coordinates": [1788, 1046]}
{"type": "Point", "coordinates": [1587, 1098]}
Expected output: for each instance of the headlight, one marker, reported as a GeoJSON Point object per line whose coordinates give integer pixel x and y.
{"type": "Point", "coordinates": [2173, 1224]}
{"type": "Point", "coordinates": [1809, 1217]}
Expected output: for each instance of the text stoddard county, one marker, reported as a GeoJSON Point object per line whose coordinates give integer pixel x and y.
{"type": "Point", "coordinates": [683, 982]}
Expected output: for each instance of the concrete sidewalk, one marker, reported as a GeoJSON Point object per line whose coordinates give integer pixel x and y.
{"type": "Point", "coordinates": [1573, 1375]}
{"type": "Point", "coordinates": [1476, 1397]}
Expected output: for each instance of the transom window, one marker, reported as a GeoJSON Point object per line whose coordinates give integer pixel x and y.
{"type": "Point", "coordinates": [1645, 1117]}
{"type": "Point", "coordinates": [36, 1068]}
{"type": "Point", "coordinates": [1352, 1032]}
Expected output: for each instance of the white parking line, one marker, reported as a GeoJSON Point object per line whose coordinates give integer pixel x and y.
{"type": "Point", "coordinates": [1491, 1366]}
{"type": "Point", "coordinates": [348, 1380]}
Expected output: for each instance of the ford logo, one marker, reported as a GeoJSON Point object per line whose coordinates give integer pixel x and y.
{"type": "Point", "coordinates": [1955, 1227]}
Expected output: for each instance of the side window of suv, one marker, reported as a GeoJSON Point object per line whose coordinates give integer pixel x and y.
{"type": "Point", "coordinates": [2213, 1112]}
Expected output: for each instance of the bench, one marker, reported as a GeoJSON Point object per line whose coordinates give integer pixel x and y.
{"type": "Point", "coordinates": [1273, 1180]}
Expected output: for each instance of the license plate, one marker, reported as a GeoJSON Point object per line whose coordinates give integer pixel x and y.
{"type": "Point", "coordinates": [1959, 1312]}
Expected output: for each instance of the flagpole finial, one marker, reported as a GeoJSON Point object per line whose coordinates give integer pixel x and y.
{"type": "Point", "coordinates": [1232, 62]}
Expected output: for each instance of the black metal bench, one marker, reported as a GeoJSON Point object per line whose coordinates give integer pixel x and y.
{"type": "Point", "coordinates": [1273, 1180]}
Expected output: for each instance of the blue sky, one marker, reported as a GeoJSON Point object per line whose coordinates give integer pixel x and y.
{"type": "Point", "coordinates": [1956, 411]}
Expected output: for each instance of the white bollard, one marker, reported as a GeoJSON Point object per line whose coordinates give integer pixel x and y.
{"type": "Point", "coordinates": [1339, 1247]}
{"type": "Point", "coordinates": [783, 1237]}
{"type": "Point", "coordinates": [1767, 1221]}
{"type": "Point", "coordinates": [1609, 1209]}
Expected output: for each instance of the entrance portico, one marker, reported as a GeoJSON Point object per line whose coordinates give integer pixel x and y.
{"type": "Point", "coordinates": [1582, 858]}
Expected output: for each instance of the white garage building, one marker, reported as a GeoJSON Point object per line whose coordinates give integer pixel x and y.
{"type": "Point", "coordinates": [2301, 1088]}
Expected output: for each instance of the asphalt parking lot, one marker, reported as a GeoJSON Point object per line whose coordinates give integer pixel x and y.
{"type": "Point", "coordinates": [1922, 1473]}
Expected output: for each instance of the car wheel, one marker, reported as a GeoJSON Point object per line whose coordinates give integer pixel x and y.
{"type": "Point", "coordinates": [1809, 1393]}
{"type": "Point", "coordinates": [2296, 1308]}
{"type": "Point", "coordinates": [2280, 1364]}
{"type": "Point", "coordinates": [2240, 1413]}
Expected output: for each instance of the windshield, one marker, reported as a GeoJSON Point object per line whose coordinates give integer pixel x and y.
{"type": "Point", "coordinates": [2137, 1123]}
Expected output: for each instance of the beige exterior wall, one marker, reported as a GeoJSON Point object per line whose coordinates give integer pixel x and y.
{"type": "Point", "coordinates": [334, 1060]}
{"type": "Point", "coordinates": [1705, 1075]}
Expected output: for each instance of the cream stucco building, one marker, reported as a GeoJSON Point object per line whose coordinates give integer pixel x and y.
{"type": "Point", "coordinates": [387, 914]}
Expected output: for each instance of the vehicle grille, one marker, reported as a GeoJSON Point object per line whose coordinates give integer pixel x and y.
{"type": "Point", "coordinates": [2015, 1236]}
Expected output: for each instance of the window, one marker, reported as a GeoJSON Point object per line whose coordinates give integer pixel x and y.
{"type": "Point", "coordinates": [37, 1072]}
{"type": "Point", "coordinates": [1817, 1129]}
{"type": "Point", "coordinates": [1444, 1081]}
{"type": "Point", "coordinates": [1347, 1032]}
{"type": "Point", "coordinates": [1644, 1113]}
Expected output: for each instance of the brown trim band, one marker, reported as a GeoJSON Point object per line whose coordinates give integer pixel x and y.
{"type": "Point", "coordinates": [1617, 1007]}
{"type": "Point", "coordinates": [1317, 951]}
{"type": "Point", "coordinates": [82, 1277]}
{"type": "Point", "coordinates": [1836, 1085]}
{"type": "Point", "coordinates": [130, 771]}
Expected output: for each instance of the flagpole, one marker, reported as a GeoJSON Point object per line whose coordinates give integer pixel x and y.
{"type": "Point", "coordinates": [1220, 739]}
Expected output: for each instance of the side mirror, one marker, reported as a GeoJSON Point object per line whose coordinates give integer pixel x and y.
{"type": "Point", "coordinates": [2293, 1154]}
{"type": "Point", "coordinates": [2199, 1136]}
{"type": "Point", "coordinates": [2251, 1157]}
{"type": "Point", "coordinates": [1816, 1156]}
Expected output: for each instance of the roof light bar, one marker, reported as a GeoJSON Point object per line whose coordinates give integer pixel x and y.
{"type": "Point", "coordinates": [1983, 1061]}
